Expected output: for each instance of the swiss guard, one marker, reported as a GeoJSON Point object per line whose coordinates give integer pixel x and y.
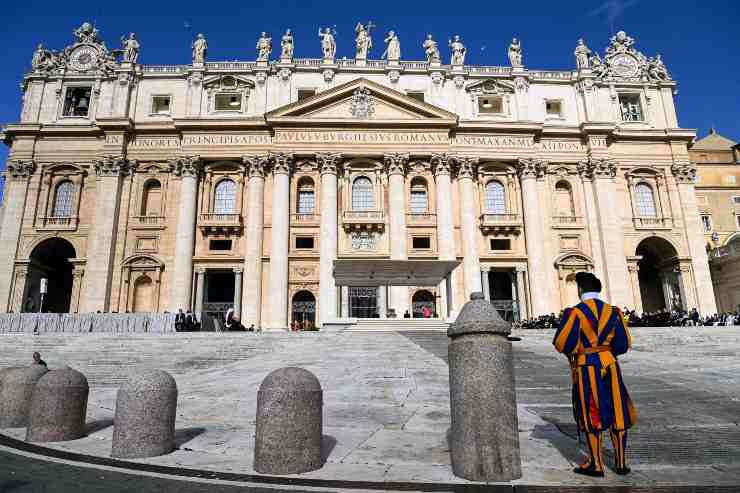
{"type": "Point", "coordinates": [592, 334]}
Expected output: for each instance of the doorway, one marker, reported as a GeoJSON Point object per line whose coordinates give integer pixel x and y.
{"type": "Point", "coordinates": [502, 289]}
{"type": "Point", "coordinates": [50, 261]}
{"type": "Point", "coordinates": [219, 292]}
{"type": "Point", "coordinates": [660, 284]}
{"type": "Point", "coordinates": [363, 301]}
{"type": "Point", "coordinates": [423, 302]}
{"type": "Point", "coordinates": [303, 309]}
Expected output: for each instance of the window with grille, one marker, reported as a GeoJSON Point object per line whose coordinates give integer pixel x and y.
{"type": "Point", "coordinates": [77, 101]}
{"type": "Point", "coordinates": [63, 200]}
{"type": "Point", "coordinates": [631, 108]}
{"type": "Point", "coordinates": [419, 202]}
{"type": "Point", "coordinates": [225, 197]}
{"type": "Point", "coordinates": [362, 194]}
{"type": "Point", "coordinates": [706, 223]}
{"type": "Point", "coordinates": [306, 202]}
{"type": "Point", "coordinates": [495, 198]}
{"type": "Point", "coordinates": [645, 201]}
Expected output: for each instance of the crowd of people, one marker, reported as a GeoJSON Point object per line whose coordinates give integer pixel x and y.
{"type": "Point", "coordinates": [660, 318]}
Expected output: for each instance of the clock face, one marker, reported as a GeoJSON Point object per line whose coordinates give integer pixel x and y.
{"type": "Point", "coordinates": [84, 58]}
{"type": "Point", "coordinates": [625, 66]}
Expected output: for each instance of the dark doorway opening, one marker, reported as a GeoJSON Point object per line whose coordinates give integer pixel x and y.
{"type": "Point", "coordinates": [423, 304]}
{"type": "Point", "coordinates": [303, 310]}
{"type": "Point", "coordinates": [50, 260]}
{"type": "Point", "coordinates": [363, 301]}
{"type": "Point", "coordinates": [502, 294]}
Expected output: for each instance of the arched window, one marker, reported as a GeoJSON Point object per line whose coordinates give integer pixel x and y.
{"type": "Point", "coordinates": [362, 194]}
{"type": "Point", "coordinates": [64, 199]}
{"type": "Point", "coordinates": [564, 200]}
{"type": "Point", "coordinates": [151, 200]}
{"type": "Point", "coordinates": [225, 197]}
{"type": "Point", "coordinates": [495, 198]}
{"type": "Point", "coordinates": [419, 202]}
{"type": "Point", "coordinates": [645, 201]}
{"type": "Point", "coordinates": [306, 197]}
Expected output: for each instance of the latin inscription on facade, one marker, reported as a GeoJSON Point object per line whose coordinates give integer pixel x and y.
{"type": "Point", "coordinates": [154, 143]}
{"type": "Point", "coordinates": [495, 141]}
{"type": "Point", "coordinates": [225, 140]}
{"type": "Point", "coordinates": [361, 137]}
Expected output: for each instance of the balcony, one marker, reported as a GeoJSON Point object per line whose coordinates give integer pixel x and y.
{"type": "Point", "coordinates": [565, 222]}
{"type": "Point", "coordinates": [147, 222]}
{"type": "Point", "coordinates": [363, 220]}
{"type": "Point", "coordinates": [68, 223]}
{"type": "Point", "coordinates": [421, 219]}
{"type": "Point", "coordinates": [501, 223]}
{"type": "Point", "coordinates": [305, 219]}
{"type": "Point", "coordinates": [653, 222]}
{"type": "Point", "coordinates": [220, 224]}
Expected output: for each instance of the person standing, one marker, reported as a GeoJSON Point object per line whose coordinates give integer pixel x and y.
{"type": "Point", "coordinates": [592, 334]}
{"type": "Point", "coordinates": [37, 359]}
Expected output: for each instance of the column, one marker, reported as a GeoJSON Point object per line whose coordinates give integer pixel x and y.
{"type": "Point", "coordinates": [345, 302]}
{"type": "Point", "coordinates": [101, 249]}
{"type": "Point", "coordinates": [396, 168]}
{"type": "Point", "coordinates": [281, 168]}
{"type": "Point", "coordinates": [485, 283]}
{"type": "Point", "coordinates": [520, 294]}
{"type": "Point", "coordinates": [468, 222]}
{"type": "Point", "coordinates": [200, 275]}
{"type": "Point", "coordinates": [238, 292]}
{"type": "Point", "coordinates": [382, 301]}
{"type": "Point", "coordinates": [634, 269]}
{"type": "Point", "coordinates": [442, 167]}
{"type": "Point", "coordinates": [252, 295]}
{"type": "Point", "coordinates": [17, 176]}
{"type": "Point", "coordinates": [602, 172]}
{"type": "Point", "coordinates": [188, 168]}
{"type": "Point", "coordinates": [529, 170]}
{"type": "Point", "coordinates": [78, 273]}
{"type": "Point", "coordinates": [684, 174]}
{"type": "Point", "coordinates": [328, 164]}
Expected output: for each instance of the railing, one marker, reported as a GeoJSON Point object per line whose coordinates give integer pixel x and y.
{"type": "Point", "coordinates": [550, 74]}
{"type": "Point", "coordinates": [415, 65]}
{"type": "Point", "coordinates": [567, 220]}
{"type": "Point", "coordinates": [220, 218]}
{"type": "Point", "coordinates": [653, 222]}
{"type": "Point", "coordinates": [233, 66]}
{"type": "Point", "coordinates": [491, 69]}
{"type": "Point", "coordinates": [69, 222]}
{"type": "Point", "coordinates": [148, 220]}
{"type": "Point", "coordinates": [308, 62]}
{"type": "Point", "coordinates": [499, 218]}
{"type": "Point", "coordinates": [421, 218]}
{"type": "Point", "coordinates": [305, 218]}
{"type": "Point", "coordinates": [363, 215]}
{"type": "Point", "coordinates": [164, 69]}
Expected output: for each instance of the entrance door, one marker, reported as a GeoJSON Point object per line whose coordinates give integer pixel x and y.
{"type": "Point", "coordinates": [423, 303]}
{"type": "Point", "coordinates": [363, 301]}
{"type": "Point", "coordinates": [219, 293]}
{"type": "Point", "coordinates": [502, 294]}
{"type": "Point", "coordinates": [303, 309]}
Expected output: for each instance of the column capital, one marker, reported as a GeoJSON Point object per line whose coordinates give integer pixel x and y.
{"type": "Point", "coordinates": [238, 270]}
{"type": "Point", "coordinates": [531, 168]}
{"type": "Point", "coordinates": [328, 162]}
{"type": "Point", "coordinates": [257, 164]}
{"type": "Point", "coordinates": [114, 166]}
{"type": "Point", "coordinates": [597, 168]}
{"type": "Point", "coordinates": [20, 169]}
{"type": "Point", "coordinates": [467, 166]}
{"type": "Point", "coordinates": [684, 172]}
{"type": "Point", "coordinates": [199, 270]}
{"type": "Point", "coordinates": [282, 163]}
{"type": "Point", "coordinates": [396, 163]}
{"type": "Point", "coordinates": [189, 166]}
{"type": "Point", "coordinates": [520, 268]}
{"type": "Point", "coordinates": [442, 163]}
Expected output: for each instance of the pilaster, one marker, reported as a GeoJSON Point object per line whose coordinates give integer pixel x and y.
{"type": "Point", "coordinates": [466, 171]}
{"type": "Point", "coordinates": [257, 167]}
{"type": "Point", "coordinates": [282, 166]}
{"type": "Point", "coordinates": [442, 165]}
{"type": "Point", "coordinates": [396, 166]}
{"type": "Point", "coordinates": [328, 167]}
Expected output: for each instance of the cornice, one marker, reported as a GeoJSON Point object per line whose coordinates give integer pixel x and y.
{"type": "Point", "coordinates": [218, 123]}
{"type": "Point", "coordinates": [508, 126]}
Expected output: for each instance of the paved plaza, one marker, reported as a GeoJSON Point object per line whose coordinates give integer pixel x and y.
{"type": "Point", "coordinates": [386, 401]}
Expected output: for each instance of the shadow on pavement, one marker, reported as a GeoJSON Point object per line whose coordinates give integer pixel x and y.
{"type": "Point", "coordinates": [184, 435]}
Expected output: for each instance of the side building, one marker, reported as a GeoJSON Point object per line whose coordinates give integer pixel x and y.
{"type": "Point", "coordinates": [324, 190]}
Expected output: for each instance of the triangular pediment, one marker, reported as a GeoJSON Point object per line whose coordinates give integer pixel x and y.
{"type": "Point", "coordinates": [361, 101]}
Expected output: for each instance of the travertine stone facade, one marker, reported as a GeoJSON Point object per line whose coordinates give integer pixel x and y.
{"type": "Point", "coordinates": [217, 185]}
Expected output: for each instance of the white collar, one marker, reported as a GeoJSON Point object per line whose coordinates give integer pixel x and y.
{"type": "Point", "coordinates": [590, 295]}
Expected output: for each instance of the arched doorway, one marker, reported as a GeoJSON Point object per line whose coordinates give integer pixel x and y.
{"type": "Point", "coordinates": [49, 260]}
{"type": "Point", "coordinates": [420, 300]}
{"type": "Point", "coordinates": [303, 309]}
{"type": "Point", "coordinates": [659, 276]}
{"type": "Point", "coordinates": [143, 294]}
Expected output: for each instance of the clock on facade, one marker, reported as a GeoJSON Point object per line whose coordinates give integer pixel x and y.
{"type": "Point", "coordinates": [624, 65]}
{"type": "Point", "coordinates": [84, 58]}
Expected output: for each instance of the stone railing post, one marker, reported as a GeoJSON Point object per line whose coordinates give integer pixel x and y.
{"type": "Point", "coordinates": [484, 440]}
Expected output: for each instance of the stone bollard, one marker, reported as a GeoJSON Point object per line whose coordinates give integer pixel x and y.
{"type": "Point", "coordinates": [289, 423]}
{"type": "Point", "coordinates": [484, 440]}
{"type": "Point", "coordinates": [16, 389]}
{"type": "Point", "coordinates": [144, 425]}
{"type": "Point", "coordinates": [58, 407]}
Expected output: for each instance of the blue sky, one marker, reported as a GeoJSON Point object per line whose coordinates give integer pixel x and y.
{"type": "Point", "coordinates": [699, 41]}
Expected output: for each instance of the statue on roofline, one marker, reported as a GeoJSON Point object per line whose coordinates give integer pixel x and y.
{"type": "Point", "coordinates": [328, 45]}
{"type": "Point", "coordinates": [431, 49]}
{"type": "Point", "coordinates": [264, 47]}
{"type": "Point", "coordinates": [131, 48]}
{"type": "Point", "coordinates": [582, 53]}
{"type": "Point", "coordinates": [200, 46]}
{"type": "Point", "coordinates": [458, 50]}
{"type": "Point", "coordinates": [515, 53]}
{"type": "Point", "coordinates": [286, 43]}
{"type": "Point", "coordinates": [393, 50]}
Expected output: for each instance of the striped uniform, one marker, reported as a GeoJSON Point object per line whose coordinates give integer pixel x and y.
{"type": "Point", "coordinates": [592, 334]}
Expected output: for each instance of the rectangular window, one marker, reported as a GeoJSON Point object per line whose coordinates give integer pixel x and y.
{"type": "Point", "coordinates": [553, 109]}
{"type": "Point", "coordinates": [706, 222]}
{"type": "Point", "coordinates": [418, 203]}
{"type": "Point", "coordinates": [306, 202]}
{"type": "Point", "coordinates": [731, 179]}
{"type": "Point", "coordinates": [228, 102]}
{"type": "Point", "coordinates": [160, 105]}
{"type": "Point", "coordinates": [737, 221]}
{"type": "Point", "coordinates": [421, 243]}
{"type": "Point", "coordinates": [304, 242]}
{"type": "Point", "coordinates": [305, 93]}
{"type": "Point", "coordinates": [77, 101]}
{"type": "Point", "coordinates": [736, 200]}
{"type": "Point", "coordinates": [219, 245]}
{"type": "Point", "coordinates": [500, 244]}
{"type": "Point", "coordinates": [630, 107]}
{"type": "Point", "coordinates": [490, 105]}
{"type": "Point", "coordinates": [419, 95]}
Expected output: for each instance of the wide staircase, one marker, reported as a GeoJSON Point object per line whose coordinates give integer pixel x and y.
{"type": "Point", "coordinates": [399, 325]}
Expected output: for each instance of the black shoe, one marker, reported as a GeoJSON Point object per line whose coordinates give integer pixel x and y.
{"type": "Point", "coordinates": [622, 471]}
{"type": "Point", "coordinates": [587, 471]}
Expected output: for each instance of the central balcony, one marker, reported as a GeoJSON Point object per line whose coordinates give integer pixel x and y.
{"type": "Point", "coordinates": [216, 223]}
{"type": "Point", "coordinates": [305, 219]}
{"type": "Point", "coordinates": [54, 223]}
{"type": "Point", "coordinates": [501, 223]}
{"type": "Point", "coordinates": [421, 219]}
{"type": "Point", "coordinates": [147, 222]}
{"type": "Point", "coordinates": [653, 222]}
{"type": "Point", "coordinates": [564, 222]}
{"type": "Point", "coordinates": [359, 220]}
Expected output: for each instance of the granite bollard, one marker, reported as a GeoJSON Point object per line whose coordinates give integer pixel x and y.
{"type": "Point", "coordinates": [16, 389]}
{"type": "Point", "coordinates": [484, 440]}
{"type": "Point", "coordinates": [58, 407]}
{"type": "Point", "coordinates": [144, 424]}
{"type": "Point", "coordinates": [289, 423]}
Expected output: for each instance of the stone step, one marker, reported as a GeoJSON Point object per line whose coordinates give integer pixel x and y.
{"type": "Point", "coordinates": [399, 325]}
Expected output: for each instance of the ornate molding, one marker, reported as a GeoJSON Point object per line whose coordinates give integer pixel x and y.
{"type": "Point", "coordinates": [189, 166]}
{"type": "Point", "coordinates": [684, 172]}
{"type": "Point", "coordinates": [114, 166]}
{"type": "Point", "coordinates": [257, 165]}
{"type": "Point", "coordinates": [622, 61]}
{"type": "Point", "coordinates": [467, 166]}
{"type": "Point", "coordinates": [442, 164]}
{"type": "Point", "coordinates": [328, 162]}
{"type": "Point", "coordinates": [531, 168]}
{"type": "Point", "coordinates": [20, 170]}
{"type": "Point", "coordinates": [282, 163]}
{"type": "Point", "coordinates": [362, 104]}
{"type": "Point", "coordinates": [396, 163]}
{"type": "Point", "coordinates": [597, 168]}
